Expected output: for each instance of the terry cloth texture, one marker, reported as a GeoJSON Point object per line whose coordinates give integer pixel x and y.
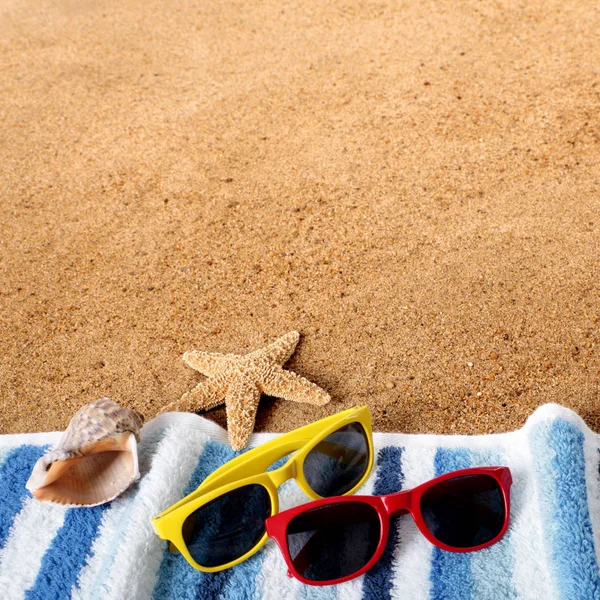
{"type": "Point", "coordinates": [551, 550]}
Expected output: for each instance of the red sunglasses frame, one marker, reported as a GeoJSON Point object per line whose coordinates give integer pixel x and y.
{"type": "Point", "coordinates": [407, 501]}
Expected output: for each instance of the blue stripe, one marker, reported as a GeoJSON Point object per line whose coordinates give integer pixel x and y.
{"type": "Point", "coordinates": [14, 473]}
{"type": "Point", "coordinates": [559, 465]}
{"type": "Point", "coordinates": [451, 571]}
{"type": "Point", "coordinates": [492, 568]}
{"type": "Point", "coordinates": [377, 583]}
{"type": "Point", "coordinates": [67, 554]}
{"type": "Point", "coordinates": [241, 581]}
{"type": "Point", "coordinates": [176, 578]}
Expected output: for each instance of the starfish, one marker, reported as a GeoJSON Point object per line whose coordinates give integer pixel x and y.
{"type": "Point", "coordinates": [238, 381]}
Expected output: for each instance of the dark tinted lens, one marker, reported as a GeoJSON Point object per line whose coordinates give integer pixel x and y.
{"type": "Point", "coordinates": [333, 541]}
{"type": "Point", "coordinates": [227, 527]}
{"type": "Point", "coordinates": [465, 511]}
{"type": "Point", "coordinates": [337, 463]}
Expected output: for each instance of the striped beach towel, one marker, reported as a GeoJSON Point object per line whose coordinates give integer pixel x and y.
{"type": "Point", "coordinates": [551, 550]}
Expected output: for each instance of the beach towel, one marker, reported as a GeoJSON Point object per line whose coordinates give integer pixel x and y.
{"type": "Point", "coordinates": [551, 550]}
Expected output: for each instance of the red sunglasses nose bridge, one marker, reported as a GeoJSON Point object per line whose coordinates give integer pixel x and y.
{"type": "Point", "coordinates": [398, 502]}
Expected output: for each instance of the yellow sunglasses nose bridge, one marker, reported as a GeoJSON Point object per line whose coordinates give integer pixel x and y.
{"type": "Point", "coordinates": [281, 475]}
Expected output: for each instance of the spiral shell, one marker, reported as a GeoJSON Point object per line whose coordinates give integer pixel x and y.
{"type": "Point", "coordinates": [95, 460]}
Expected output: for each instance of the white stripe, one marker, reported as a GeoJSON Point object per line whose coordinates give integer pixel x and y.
{"type": "Point", "coordinates": [200, 425]}
{"type": "Point", "coordinates": [13, 440]}
{"type": "Point", "coordinates": [31, 534]}
{"type": "Point", "coordinates": [3, 452]}
{"type": "Point", "coordinates": [412, 555]}
{"type": "Point", "coordinates": [532, 575]}
{"type": "Point", "coordinates": [126, 539]}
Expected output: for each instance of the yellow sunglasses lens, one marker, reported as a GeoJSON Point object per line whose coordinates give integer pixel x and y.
{"type": "Point", "coordinates": [338, 462]}
{"type": "Point", "coordinates": [227, 527]}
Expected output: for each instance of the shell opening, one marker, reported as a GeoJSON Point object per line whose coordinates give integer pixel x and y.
{"type": "Point", "coordinates": [101, 474]}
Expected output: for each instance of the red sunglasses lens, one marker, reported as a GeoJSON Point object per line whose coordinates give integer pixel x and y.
{"type": "Point", "coordinates": [333, 541]}
{"type": "Point", "coordinates": [464, 512]}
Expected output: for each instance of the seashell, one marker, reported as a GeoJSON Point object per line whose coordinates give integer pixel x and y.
{"type": "Point", "coordinates": [95, 460]}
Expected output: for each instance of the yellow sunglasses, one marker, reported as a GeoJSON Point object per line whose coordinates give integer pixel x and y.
{"type": "Point", "coordinates": [222, 522]}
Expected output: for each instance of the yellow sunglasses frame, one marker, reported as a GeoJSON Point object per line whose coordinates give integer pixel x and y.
{"type": "Point", "coordinates": [251, 467]}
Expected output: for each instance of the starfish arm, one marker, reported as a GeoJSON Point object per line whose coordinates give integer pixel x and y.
{"type": "Point", "coordinates": [207, 363]}
{"type": "Point", "coordinates": [207, 394]}
{"type": "Point", "coordinates": [280, 350]}
{"type": "Point", "coordinates": [290, 386]}
{"type": "Point", "coordinates": [242, 403]}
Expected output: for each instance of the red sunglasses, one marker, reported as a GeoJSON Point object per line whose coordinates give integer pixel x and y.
{"type": "Point", "coordinates": [336, 539]}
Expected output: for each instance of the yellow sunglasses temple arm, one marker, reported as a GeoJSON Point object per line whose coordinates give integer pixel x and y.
{"type": "Point", "coordinates": [261, 457]}
{"type": "Point", "coordinates": [266, 454]}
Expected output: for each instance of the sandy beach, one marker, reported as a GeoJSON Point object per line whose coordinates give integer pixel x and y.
{"type": "Point", "coordinates": [414, 186]}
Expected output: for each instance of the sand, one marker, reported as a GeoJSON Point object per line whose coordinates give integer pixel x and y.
{"type": "Point", "coordinates": [414, 186]}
